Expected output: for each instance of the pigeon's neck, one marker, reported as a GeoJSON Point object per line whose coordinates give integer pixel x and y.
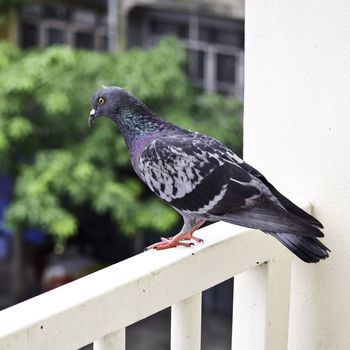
{"type": "Point", "coordinates": [136, 126]}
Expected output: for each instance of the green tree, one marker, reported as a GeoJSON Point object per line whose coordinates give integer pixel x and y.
{"type": "Point", "coordinates": [60, 166]}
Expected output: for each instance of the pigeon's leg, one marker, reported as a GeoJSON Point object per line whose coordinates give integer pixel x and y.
{"type": "Point", "coordinates": [176, 241]}
{"type": "Point", "coordinates": [187, 234]}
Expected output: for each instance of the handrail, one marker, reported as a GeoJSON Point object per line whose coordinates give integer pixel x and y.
{"type": "Point", "coordinates": [98, 307]}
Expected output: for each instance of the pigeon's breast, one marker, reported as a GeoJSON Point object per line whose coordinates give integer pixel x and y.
{"type": "Point", "coordinates": [137, 148]}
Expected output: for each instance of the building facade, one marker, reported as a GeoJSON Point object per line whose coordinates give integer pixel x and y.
{"type": "Point", "coordinates": [212, 31]}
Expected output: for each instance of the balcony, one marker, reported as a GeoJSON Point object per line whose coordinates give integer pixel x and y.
{"type": "Point", "coordinates": [98, 308]}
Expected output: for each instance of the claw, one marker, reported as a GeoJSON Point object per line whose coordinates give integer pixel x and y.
{"type": "Point", "coordinates": [177, 240]}
{"type": "Point", "coordinates": [198, 240]}
{"type": "Point", "coordinates": [168, 243]}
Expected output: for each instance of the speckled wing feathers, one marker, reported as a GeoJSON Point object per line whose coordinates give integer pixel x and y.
{"type": "Point", "coordinates": [193, 176]}
{"type": "Point", "coordinates": [199, 176]}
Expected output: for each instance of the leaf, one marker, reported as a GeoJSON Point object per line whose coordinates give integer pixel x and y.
{"type": "Point", "coordinates": [56, 103]}
{"type": "Point", "coordinates": [19, 128]}
{"type": "Point", "coordinates": [4, 144]}
{"type": "Point", "coordinates": [63, 226]}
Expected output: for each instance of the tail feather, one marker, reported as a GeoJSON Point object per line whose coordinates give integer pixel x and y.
{"type": "Point", "coordinates": [308, 249]}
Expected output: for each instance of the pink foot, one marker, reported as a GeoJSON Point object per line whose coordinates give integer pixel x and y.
{"type": "Point", "coordinates": [176, 241]}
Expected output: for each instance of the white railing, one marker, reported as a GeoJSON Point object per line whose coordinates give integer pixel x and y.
{"type": "Point", "coordinates": [97, 308]}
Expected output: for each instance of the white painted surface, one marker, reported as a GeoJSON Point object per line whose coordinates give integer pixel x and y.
{"type": "Point", "coordinates": [297, 125]}
{"type": "Point", "coordinates": [186, 324]}
{"type": "Point", "coordinates": [94, 306]}
{"type": "Point", "coordinates": [261, 306]}
{"type": "Point", "coordinates": [113, 341]}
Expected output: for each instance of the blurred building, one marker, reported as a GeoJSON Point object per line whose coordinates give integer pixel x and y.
{"type": "Point", "coordinates": [212, 30]}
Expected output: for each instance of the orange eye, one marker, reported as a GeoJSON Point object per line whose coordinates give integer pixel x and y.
{"type": "Point", "coordinates": [101, 100]}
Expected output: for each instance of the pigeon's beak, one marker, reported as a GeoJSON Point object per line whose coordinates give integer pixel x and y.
{"type": "Point", "coordinates": [92, 117]}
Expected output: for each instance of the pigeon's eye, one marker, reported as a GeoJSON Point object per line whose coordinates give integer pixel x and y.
{"type": "Point", "coordinates": [101, 100]}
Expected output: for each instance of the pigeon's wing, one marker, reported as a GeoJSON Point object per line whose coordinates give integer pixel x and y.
{"type": "Point", "coordinates": [198, 175]}
{"type": "Point", "coordinates": [191, 175]}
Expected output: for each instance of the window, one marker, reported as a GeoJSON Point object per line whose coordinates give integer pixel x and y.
{"type": "Point", "coordinates": [29, 35]}
{"type": "Point", "coordinates": [84, 40]}
{"type": "Point", "coordinates": [43, 25]}
{"type": "Point", "coordinates": [226, 66]}
{"type": "Point", "coordinates": [197, 65]}
{"type": "Point", "coordinates": [215, 44]}
{"type": "Point", "coordinates": [56, 36]}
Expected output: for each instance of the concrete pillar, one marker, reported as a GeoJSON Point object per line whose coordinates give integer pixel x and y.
{"type": "Point", "coordinates": [297, 132]}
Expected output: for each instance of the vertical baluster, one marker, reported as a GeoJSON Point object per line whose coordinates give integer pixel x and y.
{"type": "Point", "coordinates": [113, 341]}
{"type": "Point", "coordinates": [186, 324]}
{"type": "Point", "coordinates": [261, 306]}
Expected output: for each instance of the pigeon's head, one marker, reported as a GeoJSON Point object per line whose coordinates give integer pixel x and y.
{"type": "Point", "coordinates": [113, 102]}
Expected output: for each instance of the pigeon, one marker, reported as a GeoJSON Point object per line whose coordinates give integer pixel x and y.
{"type": "Point", "coordinates": [203, 180]}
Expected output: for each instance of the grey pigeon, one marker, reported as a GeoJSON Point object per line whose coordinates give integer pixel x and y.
{"type": "Point", "coordinates": [204, 180]}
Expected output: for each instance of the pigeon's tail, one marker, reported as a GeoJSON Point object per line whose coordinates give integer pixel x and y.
{"type": "Point", "coordinates": [308, 249]}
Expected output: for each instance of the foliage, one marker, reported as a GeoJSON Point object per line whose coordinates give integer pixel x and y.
{"type": "Point", "coordinates": [59, 165]}
{"type": "Point", "coordinates": [9, 3]}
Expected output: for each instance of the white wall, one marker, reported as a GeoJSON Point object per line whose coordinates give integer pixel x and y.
{"type": "Point", "coordinates": [297, 132]}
